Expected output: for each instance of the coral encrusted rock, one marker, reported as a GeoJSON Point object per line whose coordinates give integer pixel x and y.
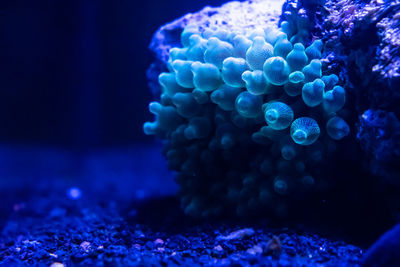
{"type": "Point", "coordinates": [249, 116]}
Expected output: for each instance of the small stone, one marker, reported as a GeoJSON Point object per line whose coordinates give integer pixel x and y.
{"type": "Point", "coordinates": [57, 264]}
{"type": "Point", "coordinates": [158, 242]}
{"type": "Point", "coordinates": [274, 244]}
{"type": "Point", "coordinates": [85, 246]}
{"type": "Point", "coordinates": [255, 250]}
{"type": "Point", "coordinates": [239, 234]}
{"type": "Point", "coordinates": [273, 247]}
{"type": "Point", "coordinates": [218, 248]}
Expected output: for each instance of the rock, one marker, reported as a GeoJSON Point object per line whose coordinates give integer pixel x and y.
{"type": "Point", "coordinates": [85, 246]}
{"type": "Point", "coordinates": [239, 234]}
{"type": "Point", "coordinates": [255, 250]}
{"type": "Point", "coordinates": [385, 251]}
{"type": "Point", "coordinates": [158, 242]}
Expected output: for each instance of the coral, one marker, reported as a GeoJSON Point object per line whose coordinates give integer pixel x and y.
{"type": "Point", "coordinates": [234, 16]}
{"type": "Point", "coordinates": [248, 119]}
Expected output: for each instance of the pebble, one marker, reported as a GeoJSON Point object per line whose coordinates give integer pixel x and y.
{"type": "Point", "coordinates": [97, 235]}
{"type": "Point", "coordinates": [158, 242]}
{"type": "Point", "coordinates": [255, 250]}
{"type": "Point", "coordinates": [239, 234]}
{"type": "Point", "coordinates": [218, 248]}
{"type": "Point", "coordinates": [85, 246]}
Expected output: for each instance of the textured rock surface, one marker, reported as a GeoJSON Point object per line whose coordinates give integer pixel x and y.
{"type": "Point", "coordinates": [362, 44]}
{"type": "Point", "coordinates": [385, 251]}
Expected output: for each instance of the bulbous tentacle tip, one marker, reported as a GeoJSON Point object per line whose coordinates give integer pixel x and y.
{"type": "Point", "coordinates": [206, 76]}
{"type": "Point", "coordinates": [155, 108]}
{"type": "Point", "coordinates": [278, 115]}
{"type": "Point", "coordinates": [271, 116]}
{"type": "Point", "coordinates": [149, 128]}
{"type": "Point", "coordinates": [297, 58]}
{"type": "Point", "coordinates": [258, 52]}
{"type": "Point", "coordinates": [232, 70]}
{"type": "Point", "coordinates": [304, 131]}
{"type": "Point", "coordinates": [313, 92]}
{"type": "Point", "coordinates": [255, 82]}
{"type": "Point", "coordinates": [299, 136]}
{"type": "Point", "coordinates": [190, 133]}
{"type": "Point", "coordinates": [280, 186]}
{"type": "Point", "coordinates": [276, 70]}
{"type": "Point", "coordinates": [195, 66]}
{"type": "Point", "coordinates": [337, 128]}
{"type": "Point", "coordinates": [195, 39]}
{"type": "Point", "coordinates": [212, 42]}
{"type": "Point", "coordinates": [246, 75]}
{"type": "Point", "coordinates": [227, 141]}
{"type": "Point", "coordinates": [330, 81]}
{"type": "Point", "coordinates": [334, 99]}
{"type": "Point", "coordinates": [217, 51]}
{"type": "Point", "coordinates": [282, 47]}
{"type": "Point", "coordinates": [248, 105]}
{"type": "Point", "coordinates": [299, 47]}
{"type": "Point", "coordinates": [200, 96]}
{"type": "Point", "coordinates": [288, 152]}
{"type": "Point", "coordinates": [296, 77]}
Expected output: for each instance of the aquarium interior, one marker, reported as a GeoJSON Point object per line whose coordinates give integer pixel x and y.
{"type": "Point", "coordinates": [83, 184]}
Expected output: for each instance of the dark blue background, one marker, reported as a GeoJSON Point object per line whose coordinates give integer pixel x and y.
{"type": "Point", "coordinates": [73, 72]}
{"type": "Point", "coordinates": [74, 96]}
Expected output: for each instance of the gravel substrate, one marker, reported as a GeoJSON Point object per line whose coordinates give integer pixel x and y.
{"type": "Point", "coordinates": [53, 213]}
{"type": "Point", "coordinates": [62, 232]}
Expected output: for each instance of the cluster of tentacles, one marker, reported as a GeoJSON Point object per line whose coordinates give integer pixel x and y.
{"type": "Point", "coordinates": [248, 119]}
